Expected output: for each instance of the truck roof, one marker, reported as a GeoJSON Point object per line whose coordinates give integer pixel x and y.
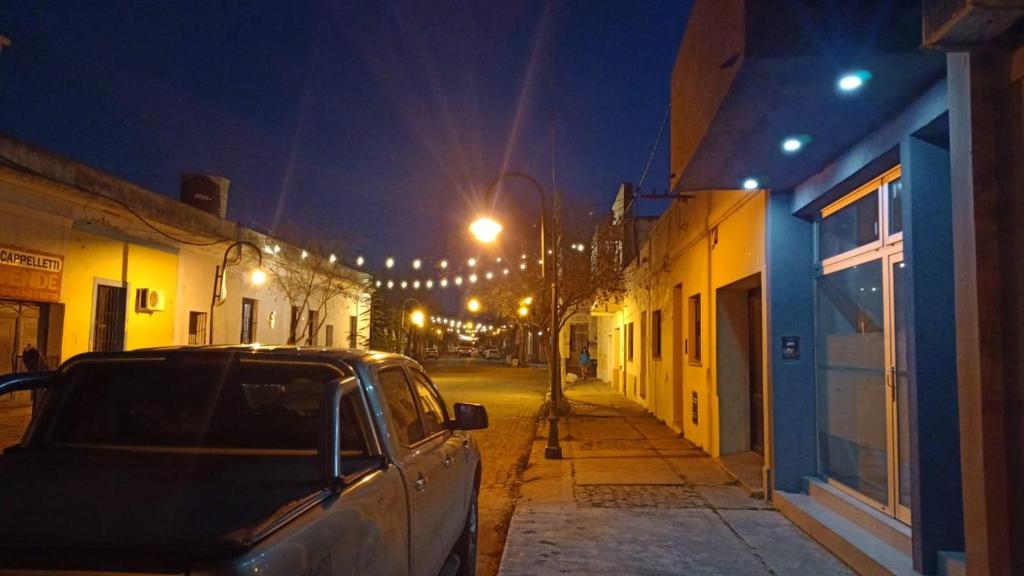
{"type": "Point", "coordinates": [347, 354]}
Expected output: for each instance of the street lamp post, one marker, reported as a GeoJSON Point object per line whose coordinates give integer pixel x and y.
{"type": "Point", "coordinates": [487, 230]}
{"type": "Point", "coordinates": [258, 276]}
{"type": "Point", "coordinates": [408, 332]}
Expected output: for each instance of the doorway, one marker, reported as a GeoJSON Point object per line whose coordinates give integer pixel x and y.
{"type": "Point", "coordinates": [738, 367]}
{"type": "Point", "coordinates": [24, 324]}
{"type": "Point", "coordinates": [677, 356]}
{"type": "Point", "coordinates": [861, 355]}
{"type": "Point", "coordinates": [755, 368]}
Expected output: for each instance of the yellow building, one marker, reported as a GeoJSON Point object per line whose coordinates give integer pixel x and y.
{"type": "Point", "coordinates": [686, 342]}
{"type": "Point", "coordinates": [89, 262]}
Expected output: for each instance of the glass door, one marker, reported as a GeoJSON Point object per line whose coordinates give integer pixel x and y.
{"type": "Point", "coordinates": [896, 380]}
{"type": "Point", "coordinates": [860, 343]}
{"type": "Point", "coordinates": [853, 422]}
{"type": "Point", "coordinates": [863, 422]}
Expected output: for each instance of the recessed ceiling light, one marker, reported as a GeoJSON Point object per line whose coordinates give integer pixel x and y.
{"type": "Point", "coordinates": [750, 184]}
{"type": "Point", "coordinates": [853, 81]}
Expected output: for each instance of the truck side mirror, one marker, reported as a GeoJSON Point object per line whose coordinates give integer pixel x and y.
{"type": "Point", "coordinates": [470, 416]}
{"type": "Point", "coordinates": [22, 381]}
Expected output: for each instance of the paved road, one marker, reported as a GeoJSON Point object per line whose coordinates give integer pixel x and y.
{"type": "Point", "coordinates": [513, 397]}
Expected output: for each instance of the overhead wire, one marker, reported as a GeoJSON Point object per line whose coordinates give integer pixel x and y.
{"type": "Point", "coordinates": [145, 221]}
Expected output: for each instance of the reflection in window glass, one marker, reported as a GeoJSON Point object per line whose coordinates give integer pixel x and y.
{"type": "Point", "coordinates": [353, 429]}
{"type": "Point", "coordinates": [853, 226]}
{"type": "Point", "coordinates": [899, 313]}
{"type": "Point", "coordinates": [895, 206]}
{"type": "Point", "coordinates": [851, 379]}
{"type": "Point", "coordinates": [404, 421]}
{"type": "Point", "coordinates": [192, 401]}
{"type": "Point", "coordinates": [430, 404]}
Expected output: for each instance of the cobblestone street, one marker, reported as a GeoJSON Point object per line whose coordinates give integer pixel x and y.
{"type": "Point", "coordinates": [513, 397]}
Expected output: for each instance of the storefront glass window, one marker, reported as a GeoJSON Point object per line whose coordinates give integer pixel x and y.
{"type": "Point", "coordinates": [895, 192]}
{"type": "Point", "coordinates": [849, 227]}
{"type": "Point", "coordinates": [851, 379]}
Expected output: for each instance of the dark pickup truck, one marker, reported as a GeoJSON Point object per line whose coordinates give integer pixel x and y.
{"type": "Point", "coordinates": [240, 460]}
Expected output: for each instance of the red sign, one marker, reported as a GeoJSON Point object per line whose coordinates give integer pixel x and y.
{"type": "Point", "coordinates": [30, 275]}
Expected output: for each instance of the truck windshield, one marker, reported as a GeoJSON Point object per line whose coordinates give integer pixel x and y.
{"type": "Point", "coordinates": [192, 402]}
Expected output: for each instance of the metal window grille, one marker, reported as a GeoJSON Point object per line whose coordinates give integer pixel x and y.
{"type": "Point", "coordinates": [656, 334]}
{"type": "Point", "coordinates": [197, 327]}
{"type": "Point", "coordinates": [694, 330]}
{"type": "Point", "coordinates": [312, 323]}
{"type": "Point", "coordinates": [248, 320]}
{"type": "Point", "coordinates": [108, 331]}
{"type": "Point", "coordinates": [293, 328]}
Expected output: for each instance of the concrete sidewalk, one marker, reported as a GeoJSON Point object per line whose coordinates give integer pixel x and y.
{"type": "Point", "coordinates": [631, 497]}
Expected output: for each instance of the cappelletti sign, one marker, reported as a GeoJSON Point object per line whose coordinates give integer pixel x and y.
{"type": "Point", "coordinates": [30, 275]}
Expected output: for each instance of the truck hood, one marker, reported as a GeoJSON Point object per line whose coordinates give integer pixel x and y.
{"type": "Point", "coordinates": [88, 507]}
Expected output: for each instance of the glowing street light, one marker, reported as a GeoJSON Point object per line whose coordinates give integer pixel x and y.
{"type": "Point", "coordinates": [359, 260]}
{"type": "Point", "coordinates": [416, 264]}
{"type": "Point", "coordinates": [258, 277]}
{"type": "Point", "coordinates": [471, 262]}
{"type": "Point", "coordinates": [389, 263]}
{"type": "Point", "coordinates": [485, 229]}
{"type": "Point", "coordinates": [417, 317]}
{"type": "Point", "coordinates": [523, 311]}
{"type": "Point", "coordinates": [473, 305]}
{"type": "Point", "coordinates": [528, 300]}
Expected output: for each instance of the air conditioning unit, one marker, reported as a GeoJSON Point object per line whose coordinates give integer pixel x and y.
{"type": "Point", "coordinates": [959, 24]}
{"type": "Point", "coordinates": [150, 300]}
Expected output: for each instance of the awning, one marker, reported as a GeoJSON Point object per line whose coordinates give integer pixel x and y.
{"type": "Point", "coordinates": [752, 73]}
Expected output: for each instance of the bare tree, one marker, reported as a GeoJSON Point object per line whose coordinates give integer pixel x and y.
{"type": "Point", "coordinates": [590, 270]}
{"type": "Point", "coordinates": [311, 281]}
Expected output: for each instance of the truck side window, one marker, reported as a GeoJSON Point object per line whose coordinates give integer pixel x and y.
{"type": "Point", "coordinates": [404, 420]}
{"type": "Point", "coordinates": [430, 404]}
{"type": "Point", "coordinates": [353, 428]}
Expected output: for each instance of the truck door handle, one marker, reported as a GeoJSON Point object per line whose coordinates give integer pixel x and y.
{"type": "Point", "coordinates": [421, 483]}
{"type": "Point", "coordinates": [448, 460]}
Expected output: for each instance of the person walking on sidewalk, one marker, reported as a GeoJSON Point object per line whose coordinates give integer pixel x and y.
{"type": "Point", "coordinates": [584, 363]}
{"type": "Point", "coordinates": [31, 358]}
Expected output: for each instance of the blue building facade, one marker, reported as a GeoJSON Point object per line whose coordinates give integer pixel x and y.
{"type": "Point", "coordinates": [877, 405]}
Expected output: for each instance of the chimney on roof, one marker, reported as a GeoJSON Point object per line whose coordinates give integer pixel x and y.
{"type": "Point", "coordinates": [205, 192]}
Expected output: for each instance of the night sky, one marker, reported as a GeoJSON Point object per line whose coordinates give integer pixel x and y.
{"type": "Point", "coordinates": [371, 123]}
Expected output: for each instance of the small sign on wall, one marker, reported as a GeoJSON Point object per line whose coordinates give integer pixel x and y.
{"type": "Point", "coordinates": [791, 348]}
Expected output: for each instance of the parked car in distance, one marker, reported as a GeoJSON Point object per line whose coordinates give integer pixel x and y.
{"type": "Point", "coordinates": [465, 350]}
{"type": "Point", "coordinates": [492, 354]}
{"type": "Point", "coordinates": [240, 460]}
{"type": "Point", "coordinates": [431, 352]}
